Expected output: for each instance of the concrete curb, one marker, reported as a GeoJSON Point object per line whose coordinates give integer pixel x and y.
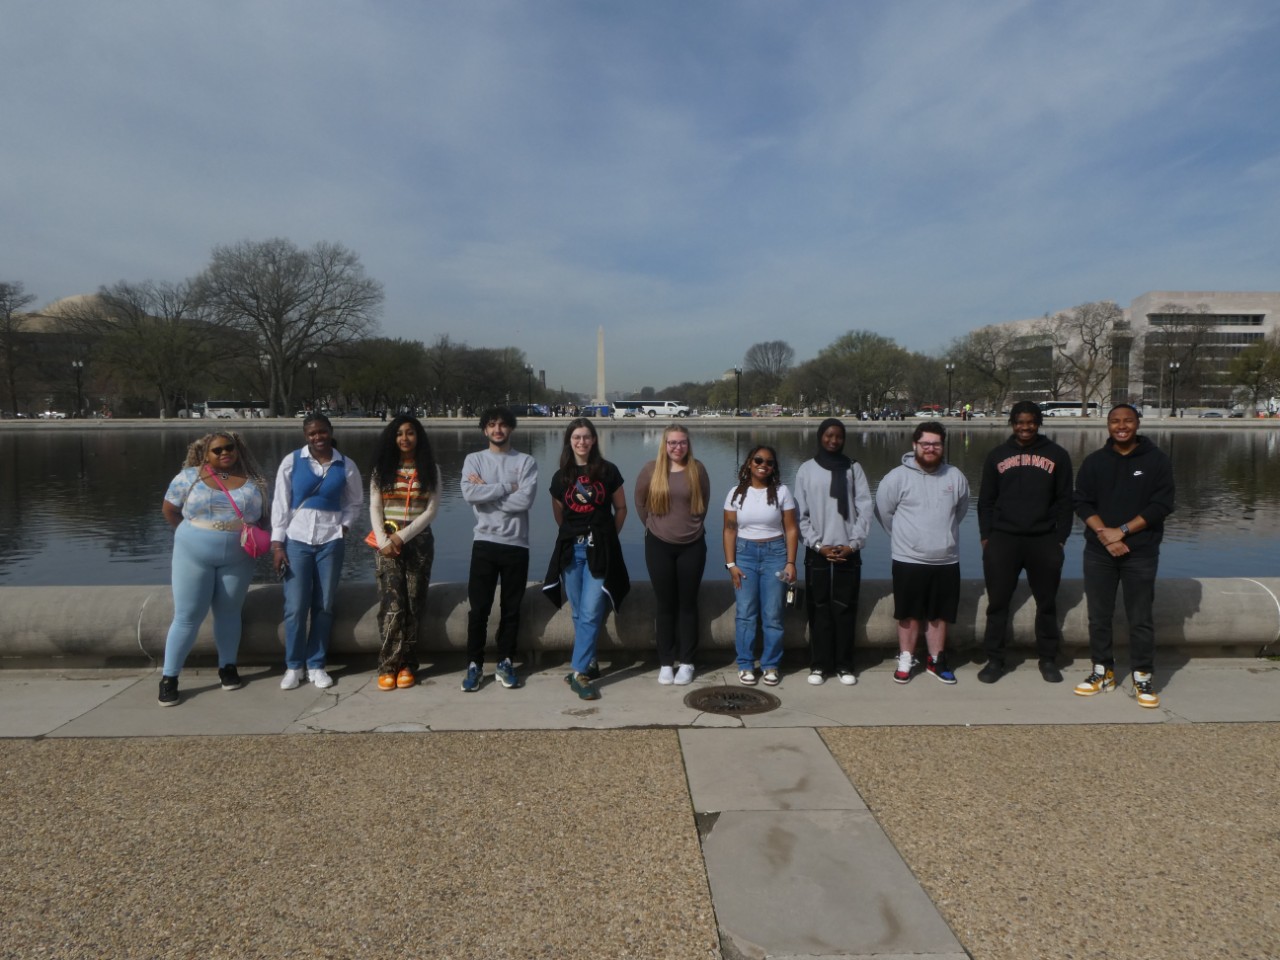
{"type": "Point", "coordinates": [1219, 617]}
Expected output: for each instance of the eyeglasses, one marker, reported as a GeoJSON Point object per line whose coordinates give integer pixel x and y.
{"type": "Point", "coordinates": [932, 445]}
{"type": "Point", "coordinates": [677, 443]}
{"type": "Point", "coordinates": [761, 462]}
{"type": "Point", "coordinates": [219, 451]}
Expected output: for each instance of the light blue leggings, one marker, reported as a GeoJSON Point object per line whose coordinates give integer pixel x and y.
{"type": "Point", "coordinates": [210, 569]}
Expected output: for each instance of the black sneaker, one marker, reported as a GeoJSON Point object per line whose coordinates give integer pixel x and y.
{"type": "Point", "coordinates": [992, 672]}
{"type": "Point", "coordinates": [230, 677]}
{"type": "Point", "coordinates": [1049, 670]}
{"type": "Point", "coordinates": [168, 691]}
{"type": "Point", "coordinates": [593, 669]}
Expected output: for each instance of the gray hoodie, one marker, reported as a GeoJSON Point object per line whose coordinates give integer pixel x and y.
{"type": "Point", "coordinates": [921, 512]}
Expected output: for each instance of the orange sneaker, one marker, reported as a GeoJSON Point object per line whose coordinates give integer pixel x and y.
{"type": "Point", "coordinates": [405, 678]}
{"type": "Point", "coordinates": [386, 681]}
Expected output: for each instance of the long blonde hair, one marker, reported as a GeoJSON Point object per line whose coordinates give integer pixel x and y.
{"type": "Point", "coordinates": [198, 455]}
{"type": "Point", "coordinates": [659, 501]}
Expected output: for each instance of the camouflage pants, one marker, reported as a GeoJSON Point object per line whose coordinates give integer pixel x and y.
{"type": "Point", "coordinates": [402, 600]}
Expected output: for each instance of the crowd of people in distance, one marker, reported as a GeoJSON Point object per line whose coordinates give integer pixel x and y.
{"type": "Point", "coordinates": [222, 507]}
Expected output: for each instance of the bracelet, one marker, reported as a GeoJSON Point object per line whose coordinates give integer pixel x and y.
{"type": "Point", "coordinates": [789, 563]}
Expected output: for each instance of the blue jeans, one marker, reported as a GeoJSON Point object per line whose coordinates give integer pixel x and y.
{"type": "Point", "coordinates": [311, 586]}
{"type": "Point", "coordinates": [761, 597]}
{"type": "Point", "coordinates": [210, 570]}
{"type": "Point", "coordinates": [1103, 575]}
{"type": "Point", "coordinates": [590, 605]}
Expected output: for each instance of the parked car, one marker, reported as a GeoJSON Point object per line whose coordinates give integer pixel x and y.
{"type": "Point", "coordinates": [1213, 415]}
{"type": "Point", "coordinates": [52, 415]}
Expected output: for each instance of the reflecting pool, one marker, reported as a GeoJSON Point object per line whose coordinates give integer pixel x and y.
{"type": "Point", "coordinates": [82, 505]}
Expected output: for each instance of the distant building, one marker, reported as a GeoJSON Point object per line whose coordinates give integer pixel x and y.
{"type": "Point", "coordinates": [1201, 331]}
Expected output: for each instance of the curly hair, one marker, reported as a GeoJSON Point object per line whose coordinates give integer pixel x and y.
{"type": "Point", "coordinates": [744, 476]}
{"type": "Point", "coordinates": [388, 462]}
{"type": "Point", "coordinates": [198, 455]}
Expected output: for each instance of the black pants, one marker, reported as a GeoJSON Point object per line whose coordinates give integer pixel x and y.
{"type": "Point", "coordinates": [491, 562]}
{"type": "Point", "coordinates": [831, 600]}
{"type": "Point", "coordinates": [1004, 557]}
{"type": "Point", "coordinates": [675, 570]}
{"type": "Point", "coordinates": [1103, 576]}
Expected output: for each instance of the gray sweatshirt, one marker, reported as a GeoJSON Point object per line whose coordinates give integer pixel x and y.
{"type": "Point", "coordinates": [502, 500]}
{"type": "Point", "coordinates": [816, 511]}
{"type": "Point", "coordinates": [921, 512]}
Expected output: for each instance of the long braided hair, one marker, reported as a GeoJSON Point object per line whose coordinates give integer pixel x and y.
{"type": "Point", "coordinates": [198, 455]}
{"type": "Point", "coordinates": [744, 477]}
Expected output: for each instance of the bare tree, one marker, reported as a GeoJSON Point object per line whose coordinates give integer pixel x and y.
{"type": "Point", "coordinates": [149, 335]}
{"type": "Point", "coordinates": [294, 303]}
{"type": "Point", "coordinates": [1083, 338]}
{"type": "Point", "coordinates": [988, 358]}
{"type": "Point", "coordinates": [1180, 334]}
{"type": "Point", "coordinates": [772, 358]}
{"type": "Point", "coordinates": [13, 300]}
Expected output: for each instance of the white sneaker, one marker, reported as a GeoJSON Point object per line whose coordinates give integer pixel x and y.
{"type": "Point", "coordinates": [666, 675]}
{"type": "Point", "coordinates": [319, 678]}
{"type": "Point", "coordinates": [291, 679]}
{"type": "Point", "coordinates": [847, 678]}
{"type": "Point", "coordinates": [684, 675]}
{"type": "Point", "coordinates": [816, 677]}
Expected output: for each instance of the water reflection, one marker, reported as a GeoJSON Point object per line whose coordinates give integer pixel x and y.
{"type": "Point", "coordinates": [83, 506]}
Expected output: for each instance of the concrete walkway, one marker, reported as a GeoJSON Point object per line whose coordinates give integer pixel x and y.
{"type": "Point", "coordinates": [795, 863]}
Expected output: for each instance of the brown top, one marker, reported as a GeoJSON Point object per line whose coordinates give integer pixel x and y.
{"type": "Point", "coordinates": [677, 525]}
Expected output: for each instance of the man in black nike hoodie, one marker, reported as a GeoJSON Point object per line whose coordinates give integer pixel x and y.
{"type": "Point", "coordinates": [1024, 518]}
{"type": "Point", "coordinates": [1123, 493]}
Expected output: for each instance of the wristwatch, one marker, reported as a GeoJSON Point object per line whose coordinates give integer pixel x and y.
{"type": "Point", "coordinates": [817, 547]}
{"type": "Point", "coordinates": [1124, 528]}
{"type": "Point", "coordinates": [730, 566]}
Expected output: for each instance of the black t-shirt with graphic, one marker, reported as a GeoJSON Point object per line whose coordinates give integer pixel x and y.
{"type": "Point", "coordinates": [585, 503]}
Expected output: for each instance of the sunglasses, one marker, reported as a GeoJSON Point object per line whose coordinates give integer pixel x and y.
{"type": "Point", "coordinates": [761, 462]}
{"type": "Point", "coordinates": [219, 451]}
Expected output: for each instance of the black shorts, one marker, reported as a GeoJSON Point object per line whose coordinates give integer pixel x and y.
{"type": "Point", "coordinates": [922, 591]}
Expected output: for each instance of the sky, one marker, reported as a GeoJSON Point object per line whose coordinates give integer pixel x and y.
{"type": "Point", "coordinates": [694, 176]}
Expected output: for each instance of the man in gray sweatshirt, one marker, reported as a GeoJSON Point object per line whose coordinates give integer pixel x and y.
{"type": "Point", "coordinates": [500, 484]}
{"type": "Point", "coordinates": [920, 505]}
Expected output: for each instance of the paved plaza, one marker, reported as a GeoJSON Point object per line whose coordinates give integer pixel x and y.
{"type": "Point", "coordinates": [879, 821]}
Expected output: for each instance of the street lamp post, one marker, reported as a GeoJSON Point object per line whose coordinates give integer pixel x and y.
{"type": "Point", "coordinates": [737, 409]}
{"type": "Point", "coordinates": [78, 367]}
{"type": "Point", "coordinates": [951, 369]}
{"type": "Point", "coordinates": [312, 365]}
{"type": "Point", "coordinates": [528, 369]}
{"type": "Point", "coordinates": [1174, 366]}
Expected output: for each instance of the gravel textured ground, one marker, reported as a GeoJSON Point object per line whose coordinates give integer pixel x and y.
{"type": "Point", "coordinates": [1073, 843]}
{"type": "Point", "coordinates": [487, 845]}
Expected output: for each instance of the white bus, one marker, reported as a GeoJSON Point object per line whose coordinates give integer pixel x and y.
{"type": "Point", "coordinates": [649, 408]}
{"type": "Point", "coordinates": [1069, 408]}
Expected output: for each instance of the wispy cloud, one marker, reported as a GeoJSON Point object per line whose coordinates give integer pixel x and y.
{"type": "Point", "coordinates": [693, 177]}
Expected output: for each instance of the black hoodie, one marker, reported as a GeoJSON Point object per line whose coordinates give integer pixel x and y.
{"type": "Point", "coordinates": [1026, 491]}
{"type": "Point", "coordinates": [1120, 487]}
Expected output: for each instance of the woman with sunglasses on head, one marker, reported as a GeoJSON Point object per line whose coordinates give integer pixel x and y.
{"type": "Point", "coordinates": [219, 490]}
{"type": "Point", "coordinates": [590, 507]}
{"type": "Point", "coordinates": [317, 499]}
{"type": "Point", "coordinates": [672, 494]}
{"type": "Point", "coordinates": [403, 500]}
{"type": "Point", "coordinates": [761, 538]}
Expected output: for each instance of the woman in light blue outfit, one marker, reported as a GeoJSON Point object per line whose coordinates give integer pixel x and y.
{"type": "Point", "coordinates": [210, 568]}
{"type": "Point", "coordinates": [761, 538]}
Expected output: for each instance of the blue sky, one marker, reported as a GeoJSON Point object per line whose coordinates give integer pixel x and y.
{"type": "Point", "coordinates": [695, 176]}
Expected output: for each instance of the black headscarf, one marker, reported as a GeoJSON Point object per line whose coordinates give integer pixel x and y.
{"type": "Point", "coordinates": [839, 466]}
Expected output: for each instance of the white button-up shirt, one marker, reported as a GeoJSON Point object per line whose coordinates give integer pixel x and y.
{"type": "Point", "coordinates": [308, 524]}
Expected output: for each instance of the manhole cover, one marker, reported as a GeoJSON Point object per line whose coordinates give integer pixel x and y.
{"type": "Point", "coordinates": [731, 701]}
